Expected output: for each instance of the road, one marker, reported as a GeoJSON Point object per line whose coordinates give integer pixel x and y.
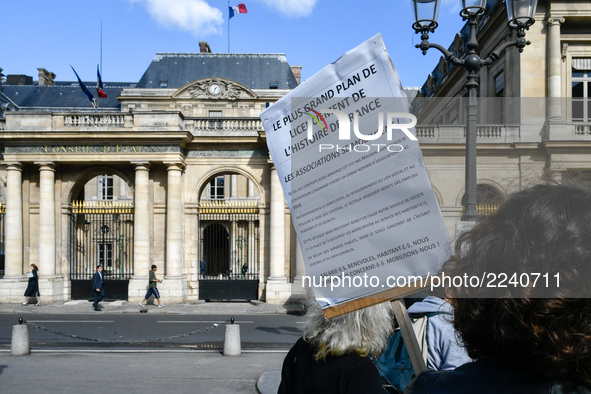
{"type": "Point", "coordinates": [149, 331]}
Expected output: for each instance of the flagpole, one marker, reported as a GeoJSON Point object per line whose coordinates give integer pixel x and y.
{"type": "Point", "coordinates": [101, 65]}
{"type": "Point", "coordinates": [101, 55]}
{"type": "Point", "coordinates": [96, 101]}
{"type": "Point", "coordinates": [228, 26]}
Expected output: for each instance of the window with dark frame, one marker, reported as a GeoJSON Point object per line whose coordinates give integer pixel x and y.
{"type": "Point", "coordinates": [216, 188]}
{"type": "Point", "coordinates": [105, 187]}
{"type": "Point", "coordinates": [105, 250]}
{"type": "Point", "coordinates": [499, 93]}
{"type": "Point", "coordinates": [581, 91]}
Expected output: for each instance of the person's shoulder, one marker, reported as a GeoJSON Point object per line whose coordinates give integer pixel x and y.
{"type": "Point", "coordinates": [490, 376]}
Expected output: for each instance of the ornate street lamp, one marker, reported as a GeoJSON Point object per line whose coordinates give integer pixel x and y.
{"type": "Point", "coordinates": [520, 14]}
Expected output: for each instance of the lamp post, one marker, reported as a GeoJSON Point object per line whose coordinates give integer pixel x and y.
{"type": "Point", "coordinates": [520, 14]}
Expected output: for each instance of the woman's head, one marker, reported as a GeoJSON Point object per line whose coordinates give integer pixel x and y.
{"type": "Point", "coordinates": [545, 229]}
{"type": "Point", "coordinates": [34, 267]}
{"type": "Point", "coordinates": [537, 233]}
{"type": "Point", "coordinates": [363, 332]}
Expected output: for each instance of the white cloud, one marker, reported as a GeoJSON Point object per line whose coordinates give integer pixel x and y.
{"type": "Point", "coordinates": [294, 8]}
{"type": "Point", "coordinates": [196, 16]}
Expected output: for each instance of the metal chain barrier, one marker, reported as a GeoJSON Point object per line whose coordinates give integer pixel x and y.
{"type": "Point", "coordinates": [172, 337]}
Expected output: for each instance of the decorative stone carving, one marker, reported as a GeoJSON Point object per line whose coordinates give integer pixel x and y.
{"type": "Point", "coordinates": [215, 89]}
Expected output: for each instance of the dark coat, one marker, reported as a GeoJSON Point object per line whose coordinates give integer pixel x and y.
{"type": "Point", "coordinates": [349, 373]}
{"type": "Point", "coordinates": [489, 376]}
{"type": "Point", "coordinates": [97, 281]}
{"type": "Point", "coordinates": [33, 286]}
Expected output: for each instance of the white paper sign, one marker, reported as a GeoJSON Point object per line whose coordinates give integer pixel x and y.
{"type": "Point", "coordinates": [354, 179]}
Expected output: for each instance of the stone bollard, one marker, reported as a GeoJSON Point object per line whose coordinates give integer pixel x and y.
{"type": "Point", "coordinates": [232, 339]}
{"type": "Point", "coordinates": [20, 339]}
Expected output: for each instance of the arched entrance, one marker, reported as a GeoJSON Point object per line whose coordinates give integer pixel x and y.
{"type": "Point", "coordinates": [215, 249]}
{"type": "Point", "coordinates": [229, 239]}
{"type": "Point", "coordinates": [101, 233]}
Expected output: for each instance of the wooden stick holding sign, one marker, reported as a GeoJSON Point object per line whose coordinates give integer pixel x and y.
{"type": "Point", "coordinates": [409, 337]}
{"type": "Point", "coordinates": [386, 295]}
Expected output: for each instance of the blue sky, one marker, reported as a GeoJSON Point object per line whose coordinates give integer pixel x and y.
{"type": "Point", "coordinates": [312, 33]}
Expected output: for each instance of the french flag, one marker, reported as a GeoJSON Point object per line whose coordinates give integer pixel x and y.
{"type": "Point", "coordinates": [99, 84]}
{"type": "Point", "coordinates": [237, 9]}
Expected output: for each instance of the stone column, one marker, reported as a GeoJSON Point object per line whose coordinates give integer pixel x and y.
{"type": "Point", "coordinates": [175, 286]}
{"type": "Point", "coordinates": [297, 290]}
{"type": "Point", "coordinates": [278, 289]}
{"type": "Point", "coordinates": [300, 265]}
{"type": "Point", "coordinates": [47, 219]}
{"type": "Point", "coordinates": [277, 238]}
{"type": "Point", "coordinates": [554, 68]}
{"type": "Point", "coordinates": [233, 186]}
{"type": "Point", "coordinates": [174, 222]}
{"type": "Point", "coordinates": [14, 222]}
{"type": "Point", "coordinates": [141, 222]}
{"type": "Point", "coordinates": [250, 188]}
{"type": "Point", "coordinates": [141, 232]}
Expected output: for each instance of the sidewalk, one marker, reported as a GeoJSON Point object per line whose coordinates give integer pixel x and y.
{"type": "Point", "coordinates": [196, 308]}
{"type": "Point", "coordinates": [159, 371]}
{"type": "Point", "coordinates": [148, 372]}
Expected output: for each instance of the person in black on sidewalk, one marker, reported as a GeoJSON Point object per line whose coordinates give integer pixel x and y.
{"type": "Point", "coordinates": [97, 285]}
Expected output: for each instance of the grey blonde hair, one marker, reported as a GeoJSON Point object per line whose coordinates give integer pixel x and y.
{"type": "Point", "coordinates": [364, 332]}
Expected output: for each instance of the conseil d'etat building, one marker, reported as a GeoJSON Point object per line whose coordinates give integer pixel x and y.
{"type": "Point", "coordinates": [171, 170]}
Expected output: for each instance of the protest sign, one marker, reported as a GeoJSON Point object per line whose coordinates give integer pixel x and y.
{"type": "Point", "coordinates": [353, 175]}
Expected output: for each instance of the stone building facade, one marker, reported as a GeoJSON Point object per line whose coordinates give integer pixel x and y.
{"type": "Point", "coordinates": [172, 170]}
{"type": "Point", "coordinates": [534, 122]}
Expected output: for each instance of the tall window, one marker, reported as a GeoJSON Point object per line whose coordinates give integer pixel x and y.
{"type": "Point", "coordinates": [105, 256]}
{"type": "Point", "coordinates": [500, 92]}
{"type": "Point", "coordinates": [581, 92]}
{"type": "Point", "coordinates": [216, 188]}
{"type": "Point", "coordinates": [105, 187]}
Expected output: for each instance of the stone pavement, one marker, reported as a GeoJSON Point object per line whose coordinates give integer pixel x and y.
{"type": "Point", "coordinates": [157, 371]}
{"type": "Point", "coordinates": [137, 372]}
{"type": "Point", "coordinates": [194, 308]}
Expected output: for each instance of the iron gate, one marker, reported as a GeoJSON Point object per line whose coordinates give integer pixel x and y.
{"type": "Point", "coordinates": [101, 233]}
{"type": "Point", "coordinates": [229, 248]}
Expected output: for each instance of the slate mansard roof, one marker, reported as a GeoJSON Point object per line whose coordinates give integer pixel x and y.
{"type": "Point", "coordinates": [255, 71]}
{"type": "Point", "coordinates": [64, 95]}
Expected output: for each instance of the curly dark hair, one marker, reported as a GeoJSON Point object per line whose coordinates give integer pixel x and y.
{"type": "Point", "coordinates": [542, 229]}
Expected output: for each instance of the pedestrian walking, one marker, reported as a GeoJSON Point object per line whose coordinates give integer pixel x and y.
{"type": "Point", "coordinates": [152, 287]}
{"type": "Point", "coordinates": [98, 284]}
{"type": "Point", "coordinates": [203, 268]}
{"type": "Point", "coordinates": [33, 286]}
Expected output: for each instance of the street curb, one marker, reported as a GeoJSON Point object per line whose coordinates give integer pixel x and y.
{"type": "Point", "coordinates": [269, 381]}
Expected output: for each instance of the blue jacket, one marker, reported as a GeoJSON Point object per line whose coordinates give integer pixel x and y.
{"type": "Point", "coordinates": [444, 350]}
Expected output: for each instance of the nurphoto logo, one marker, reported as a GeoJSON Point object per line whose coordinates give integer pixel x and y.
{"type": "Point", "coordinates": [347, 125]}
